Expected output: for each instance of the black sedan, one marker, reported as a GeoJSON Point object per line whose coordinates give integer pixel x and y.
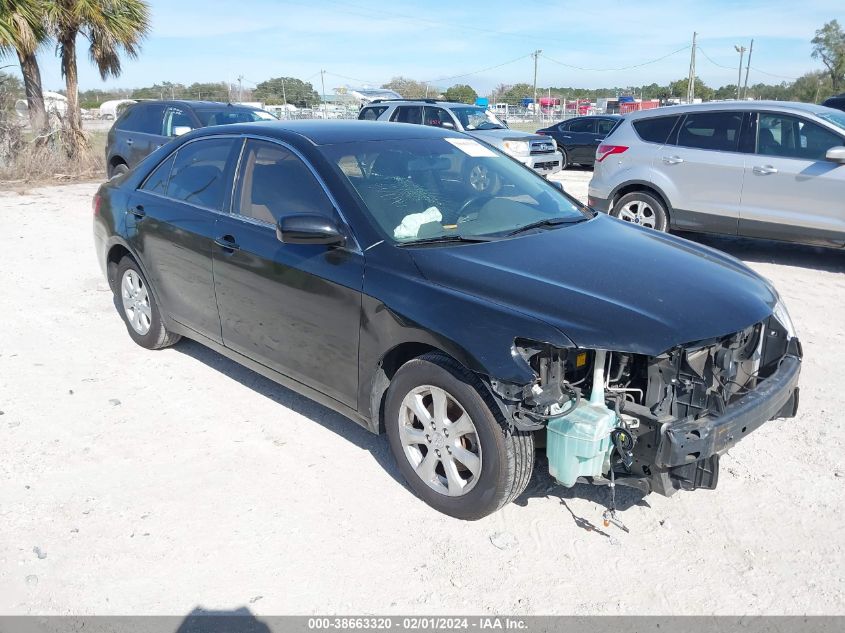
{"type": "Point", "coordinates": [352, 262]}
{"type": "Point", "coordinates": [578, 138]}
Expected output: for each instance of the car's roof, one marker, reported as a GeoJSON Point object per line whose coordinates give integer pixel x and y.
{"type": "Point", "coordinates": [440, 102]}
{"type": "Point", "coordinates": [198, 105]}
{"type": "Point", "coordinates": [322, 132]}
{"type": "Point", "coordinates": [782, 106]}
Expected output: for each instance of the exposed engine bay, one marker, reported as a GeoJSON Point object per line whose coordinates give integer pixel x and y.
{"type": "Point", "coordinates": [657, 423]}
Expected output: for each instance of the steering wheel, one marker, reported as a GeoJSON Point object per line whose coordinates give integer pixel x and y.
{"type": "Point", "coordinates": [475, 201]}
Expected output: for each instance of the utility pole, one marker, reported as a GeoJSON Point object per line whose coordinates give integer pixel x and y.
{"type": "Point", "coordinates": [747, 68]}
{"type": "Point", "coordinates": [535, 54]}
{"type": "Point", "coordinates": [741, 50]}
{"type": "Point", "coordinates": [691, 82]}
{"type": "Point", "coordinates": [240, 88]}
{"type": "Point", "coordinates": [284, 96]}
{"type": "Point", "coordinates": [323, 80]}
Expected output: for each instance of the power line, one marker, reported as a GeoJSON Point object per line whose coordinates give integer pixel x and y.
{"type": "Point", "coordinates": [709, 59]}
{"type": "Point", "coordinates": [483, 70]}
{"type": "Point", "coordinates": [757, 70]}
{"type": "Point", "coordinates": [598, 70]}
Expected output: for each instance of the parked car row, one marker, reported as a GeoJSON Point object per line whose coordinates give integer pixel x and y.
{"type": "Point", "coordinates": [427, 284]}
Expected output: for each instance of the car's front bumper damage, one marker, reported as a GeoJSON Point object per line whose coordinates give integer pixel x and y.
{"type": "Point", "coordinates": [676, 413]}
{"type": "Point", "coordinates": [684, 454]}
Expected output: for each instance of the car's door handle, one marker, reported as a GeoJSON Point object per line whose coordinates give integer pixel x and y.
{"type": "Point", "coordinates": [672, 160]}
{"type": "Point", "coordinates": [764, 169]}
{"type": "Point", "coordinates": [129, 141]}
{"type": "Point", "coordinates": [138, 211]}
{"type": "Point", "coordinates": [227, 243]}
{"type": "Point", "coordinates": [566, 136]}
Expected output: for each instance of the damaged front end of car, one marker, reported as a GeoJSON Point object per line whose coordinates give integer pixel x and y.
{"type": "Point", "coordinates": [656, 423]}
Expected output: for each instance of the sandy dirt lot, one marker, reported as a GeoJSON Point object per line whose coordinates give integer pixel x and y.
{"type": "Point", "coordinates": [138, 482]}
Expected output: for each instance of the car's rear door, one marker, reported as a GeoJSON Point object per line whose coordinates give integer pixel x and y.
{"type": "Point", "coordinates": [582, 132]}
{"type": "Point", "coordinates": [791, 191]}
{"type": "Point", "coordinates": [141, 134]}
{"type": "Point", "coordinates": [704, 163]}
{"type": "Point", "coordinates": [171, 225]}
{"type": "Point", "coordinates": [293, 307]}
{"type": "Point", "coordinates": [407, 114]}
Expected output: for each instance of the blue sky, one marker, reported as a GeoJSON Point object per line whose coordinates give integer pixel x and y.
{"type": "Point", "coordinates": [368, 41]}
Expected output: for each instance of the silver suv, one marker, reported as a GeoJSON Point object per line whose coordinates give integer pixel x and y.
{"type": "Point", "coordinates": [538, 152]}
{"type": "Point", "coordinates": [774, 170]}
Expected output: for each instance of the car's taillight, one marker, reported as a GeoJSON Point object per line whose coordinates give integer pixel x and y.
{"type": "Point", "coordinates": [95, 204]}
{"type": "Point", "coordinates": [604, 151]}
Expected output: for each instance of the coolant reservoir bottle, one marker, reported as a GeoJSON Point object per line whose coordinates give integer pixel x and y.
{"type": "Point", "coordinates": [578, 444]}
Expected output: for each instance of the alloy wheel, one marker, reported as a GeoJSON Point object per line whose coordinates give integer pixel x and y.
{"type": "Point", "coordinates": [440, 440]}
{"type": "Point", "coordinates": [639, 212]}
{"type": "Point", "coordinates": [136, 301]}
{"type": "Point", "coordinates": [479, 178]}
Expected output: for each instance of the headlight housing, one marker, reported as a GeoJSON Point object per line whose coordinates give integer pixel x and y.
{"type": "Point", "coordinates": [782, 315]}
{"type": "Point", "coordinates": [517, 148]}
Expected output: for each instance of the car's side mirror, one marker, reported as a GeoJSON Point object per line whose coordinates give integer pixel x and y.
{"type": "Point", "coordinates": [309, 228]}
{"type": "Point", "coordinates": [836, 154]}
{"type": "Point", "coordinates": [179, 130]}
{"type": "Point", "coordinates": [505, 123]}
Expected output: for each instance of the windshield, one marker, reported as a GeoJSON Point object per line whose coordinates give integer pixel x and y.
{"type": "Point", "coordinates": [227, 116]}
{"type": "Point", "coordinates": [474, 118]}
{"type": "Point", "coordinates": [450, 188]}
{"type": "Point", "coordinates": [837, 118]}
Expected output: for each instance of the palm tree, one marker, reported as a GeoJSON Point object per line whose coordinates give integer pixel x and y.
{"type": "Point", "coordinates": [22, 30]}
{"type": "Point", "coordinates": [111, 27]}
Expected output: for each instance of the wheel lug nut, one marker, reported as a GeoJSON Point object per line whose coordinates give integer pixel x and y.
{"type": "Point", "coordinates": [437, 450]}
{"type": "Point", "coordinates": [428, 439]}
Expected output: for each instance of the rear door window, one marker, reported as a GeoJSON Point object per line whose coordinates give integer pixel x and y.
{"type": "Point", "coordinates": [199, 174]}
{"type": "Point", "coordinates": [605, 126]}
{"type": "Point", "coordinates": [371, 113]}
{"type": "Point", "coordinates": [145, 118]}
{"type": "Point", "coordinates": [792, 137]}
{"type": "Point", "coordinates": [655, 130]}
{"type": "Point", "coordinates": [156, 182]}
{"type": "Point", "coordinates": [583, 125]}
{"type": "Point", "coordinates": [710, 130]}
{"type": "Point", "coordinates": [408, 114]}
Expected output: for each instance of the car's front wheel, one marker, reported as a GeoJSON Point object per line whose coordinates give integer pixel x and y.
{"type": "Point", "coordinates": [639, 207]}
{"type": "Point", "coordinates": [137, 306]}
{"type": "Point", "coordinates": [451, 443]}
{"type": "Point", "coordinates": [482, 179]}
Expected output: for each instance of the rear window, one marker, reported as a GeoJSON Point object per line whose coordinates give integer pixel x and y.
{"type": "Point", "coordinates": [655, 130]}
{"type": "Point", "coordinates": [144, 117]}
{"type": "Point", "coordinates": [227, 116]}
{"type": "Point", "coordinates": [710, 130]}
{"type": "Point", "coordinates": [371, 113]}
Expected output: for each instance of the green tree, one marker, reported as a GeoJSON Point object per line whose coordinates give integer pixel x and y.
{"type": "Point", "coordinates": [286, 90]}
{"type": "Point", "coordinates": [22, 31]}
{"type": "Point", "coordinates": [516, 93]}
{"type": "Point", "coordinates": [409, 88]}
{"type": "Point", "coordinates": [461, 93]}
{"type": "Point", "coordinates": [111, 27]}
{"type": "Point", "coordinates": [829, 47]}
{"type": "Point", "coordinates": [702, 90]}
{"type": "Point", "coordinates": [812, 87]}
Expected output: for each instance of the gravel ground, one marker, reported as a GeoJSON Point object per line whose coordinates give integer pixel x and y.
{"type": "Point", "coordinates": [138, 482]}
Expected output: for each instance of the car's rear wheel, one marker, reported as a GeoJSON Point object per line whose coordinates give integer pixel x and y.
{"type": "Point", "coordinates": [137, 306]}
{"type": "Point", "coordinates": [118, 170]}
{"type": "Point", "coordinates": [451, 442]}
{"type": "Point", "coordinates": [564, 163]}
{"type": "Point", "coordinates": [639, 207]}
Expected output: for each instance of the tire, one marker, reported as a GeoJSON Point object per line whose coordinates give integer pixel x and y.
{"type": "Point", "coordinates": [564, 163]}
{"type": "Point", "coordinates": [481, 178]}
{"type": "Point", "coordinates": [133, 296]}
{"type": "Point", "coordinates": [118, 170]}
{"type": "Point", "coordinates": [505, 456]}
{"type": "Point", "coordinates": [642, 208]}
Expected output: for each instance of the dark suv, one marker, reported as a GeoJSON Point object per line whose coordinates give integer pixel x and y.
{"type": "Point", "coordinates": [148, 125]}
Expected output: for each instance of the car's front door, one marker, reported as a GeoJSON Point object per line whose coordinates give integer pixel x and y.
{"type": "Point", "coordinates": [704, 165]}
{"type": "Point", "coordinates": [171, 222]}
{"type": "Point", "coordinates": [293, 307]}
{"type": "Point", "coordinates": [791, 191]}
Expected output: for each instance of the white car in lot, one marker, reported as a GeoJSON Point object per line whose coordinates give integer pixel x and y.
{"type": "Point", "coordinates": [538, 152]}
{"type": "Point", "coordinates": [772, 170]}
